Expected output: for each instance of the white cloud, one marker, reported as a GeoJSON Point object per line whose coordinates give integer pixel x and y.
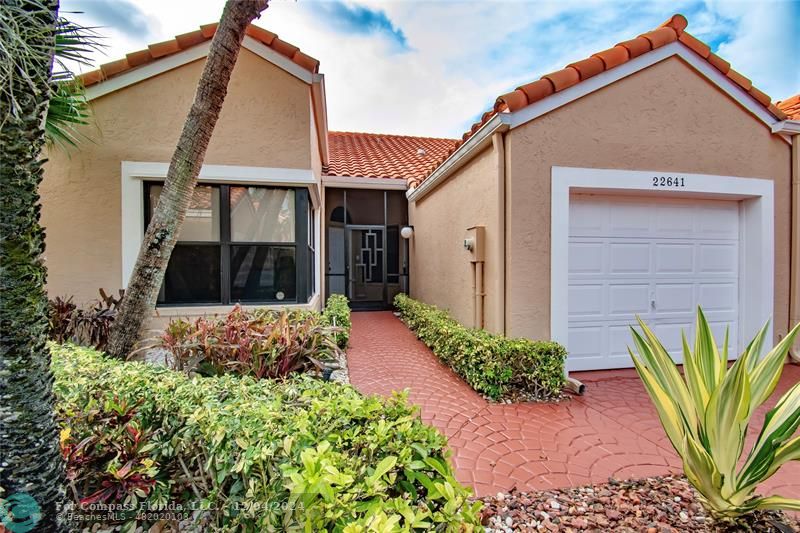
{"type": "Point", "coordinates": [464, 54]}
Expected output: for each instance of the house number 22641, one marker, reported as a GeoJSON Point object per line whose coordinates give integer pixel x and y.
{"type": "Point", "coordinates": [668, 181]}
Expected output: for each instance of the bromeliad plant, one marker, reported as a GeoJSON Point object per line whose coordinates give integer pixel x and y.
{"type": "Point", "coordinates": [706, 413]}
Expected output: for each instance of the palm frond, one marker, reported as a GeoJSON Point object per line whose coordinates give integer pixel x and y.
{"type": "Point", "coordinates": [69, 109]}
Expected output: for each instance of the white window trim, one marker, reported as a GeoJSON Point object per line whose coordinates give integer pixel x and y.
{"type": "Point", "coordinates": [135, 173]}
{"type": "Point", "coordinates": [757, 236]}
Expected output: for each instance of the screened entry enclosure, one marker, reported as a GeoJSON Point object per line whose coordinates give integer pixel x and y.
{"type": "Point", "coordinates": [367, 260]}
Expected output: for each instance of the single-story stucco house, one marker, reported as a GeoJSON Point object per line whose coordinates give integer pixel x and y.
{"type": "Point", "coordinates": [646, 179]}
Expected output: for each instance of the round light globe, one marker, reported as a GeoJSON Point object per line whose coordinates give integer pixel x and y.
{"type": "Point", "coordinates": [406, 232]}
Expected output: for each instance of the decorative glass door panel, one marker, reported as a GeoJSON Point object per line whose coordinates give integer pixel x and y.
{"type": "Point", "coordinates": [366, 263]}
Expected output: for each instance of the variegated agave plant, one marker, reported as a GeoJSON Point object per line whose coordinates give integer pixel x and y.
{"type": "Point", "coordinates": [706, 412]}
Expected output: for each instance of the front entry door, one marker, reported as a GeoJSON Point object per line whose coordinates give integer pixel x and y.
{"type": "Point", "coordinates": [366, 264]}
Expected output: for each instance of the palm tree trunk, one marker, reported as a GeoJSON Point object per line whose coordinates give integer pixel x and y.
{"type": "Point", "coordinates": [30, 459]}
{"type": "Point", "coordinates": [161, 234]}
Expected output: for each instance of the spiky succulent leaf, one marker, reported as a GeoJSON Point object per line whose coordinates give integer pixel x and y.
{"type": "Point", "coordinates": [779, 425]}
{"type": "Point", "coordinates": [705, 414]}
{"type": "Point", "coordinates": [767, 372]}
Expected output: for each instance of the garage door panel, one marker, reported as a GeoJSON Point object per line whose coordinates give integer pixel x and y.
{"type": "Point", "coordinates": [584, 341]}
{"type": "Point", "coordinates": [586, 257]}
{"type": "Point", "coordinates": [628, 258]}
{"type": "Point", "coordinates": [718, 220]}
{"type": "Point", "coordinates": [673, 221]}
{"type": "Point", "coordinates": [718, 297]}
{"type": "Point", "coordinates": [718, 258]}
{"type": "Point", "coordinates": [629, 220]}
{"type": "Point", "coordinates": [586, 300]}
{"type": "Point", "coordinates": [656, 260]}
{"type": "Point", "coordinates": [671, 258]}
{"type": "Point", "coordinates": [628, 299]}
{"type": "Point", "coordinates": [590, 218]}
{"type": "Point", "coordinates": [674, 298]}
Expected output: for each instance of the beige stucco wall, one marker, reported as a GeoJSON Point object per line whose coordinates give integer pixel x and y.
{"type": "Point", "coordinates": [664, 118]}
{"type": "Point", "coordinates": [441, 272]}
{"type": "Point", "coordinates": [265, 121]}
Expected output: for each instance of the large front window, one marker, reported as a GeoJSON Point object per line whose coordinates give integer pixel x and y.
{"type": "Point", "coordinates": [239, 244]}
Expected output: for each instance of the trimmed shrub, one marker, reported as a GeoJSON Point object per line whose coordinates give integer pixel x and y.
{"type": "Point", "coordinates": [261, 343]}
{"type": "Point", "coordinates": [257, 455]}
{"type": "Point", "coordinates": [495, 366]}
{"type": "Point", "coordinates": [337, 314]}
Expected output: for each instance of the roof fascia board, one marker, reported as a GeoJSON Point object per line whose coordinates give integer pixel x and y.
{"type": "Point", "coordinates": [787, 127]}
{"type": "Point", "coordinates": [194, 53]}
{"type": "Point", "coordinates": [319, 101]}
{"type": "Point", "coordinates": [364, 182]}
{"type": "Point", "coordinates": [561, 98]}
{"type": "Point", "coordinates": [148, 71]}
{"type": "Point", "coordinates": [280, 61]}
{"type": "Point", "coordinates": [479, 140]}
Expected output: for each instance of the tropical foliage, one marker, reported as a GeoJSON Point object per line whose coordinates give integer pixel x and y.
{"type": "Point", "coordinates": [260, 344]}
{"type": "Point", "coordinates": [68, 109]}
{"type": "Point", "coordinates": [706, 414]}
{"type": "Point", "coordinates": [252, 455]}
{"type": "Point", "coordinates": [494, 365]}
{"type": "Point", "coordinates": [337, 314]}
{"type": "Point", "coordinates": [88, 327]}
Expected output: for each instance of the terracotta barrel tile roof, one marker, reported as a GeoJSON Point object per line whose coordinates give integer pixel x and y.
{"type": "Point", "coordinates": [375, 155]}
{"type": "Point", "coordinates": [670, 31]}
{"type": "Point", "coordinates": [187, 40]}
{"type": "Point", "coordinates": [790, 106]}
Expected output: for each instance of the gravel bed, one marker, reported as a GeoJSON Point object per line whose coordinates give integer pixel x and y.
{"type": "Point", "coordinates": [651, 505]}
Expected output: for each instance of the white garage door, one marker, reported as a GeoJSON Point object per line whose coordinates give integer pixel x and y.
{"type": "Point", "coordinates": [657, 258]}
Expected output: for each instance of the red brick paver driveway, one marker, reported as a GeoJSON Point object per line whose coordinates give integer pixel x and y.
{"type": "Point", "coordinates": [612, 430]}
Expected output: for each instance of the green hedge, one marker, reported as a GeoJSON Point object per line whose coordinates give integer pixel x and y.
{"type": "Point", "coordinates": [299, 454]}
{"type": "Point", "coordinates": [337, 313]}
{"type": "Point", "coordinates": [495, 366]}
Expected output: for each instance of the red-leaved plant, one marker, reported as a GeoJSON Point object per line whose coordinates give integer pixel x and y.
{"type": "Point", "coordinates": [106, 454]}
{"type": "Point", "coordinates": [261, 344]}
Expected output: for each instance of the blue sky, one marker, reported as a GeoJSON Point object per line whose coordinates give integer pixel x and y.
{"type": "Point", "coordinates": [430, 68]}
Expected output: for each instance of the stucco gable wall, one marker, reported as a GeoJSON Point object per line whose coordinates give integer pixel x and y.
{"type": "Point", "coordinates": [665, 118]}
{"type": "Point", "coordinates": [441, 272]}
{"type": "Point", "coordinates": [265, 121]}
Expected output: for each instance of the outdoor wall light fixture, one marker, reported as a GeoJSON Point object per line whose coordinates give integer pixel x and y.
{"type": "Point", "coordinates": [407, 232]}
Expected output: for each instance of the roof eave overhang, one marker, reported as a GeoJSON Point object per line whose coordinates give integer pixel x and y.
{"type": "Point", "coordinates": [364, 182]}
{"type": "Point", "coordinates": [472, 146]}
{"type": "Point", "coordinates": [482, 137]}
{"type": "Point", "coordinates": [190, 55]}
{"type": "Point", "coordinates": [787, 127]}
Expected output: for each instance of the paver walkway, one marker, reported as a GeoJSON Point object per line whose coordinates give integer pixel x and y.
{"type": "Point", "coordinates": [612, 430]}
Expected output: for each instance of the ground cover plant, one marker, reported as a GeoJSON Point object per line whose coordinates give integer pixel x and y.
{"type": "Point", "coordinates": [706, 413]}
{"type": "Point", "coordinates": [496, 366]}
{"type": "Point", "coordinates": [252, 455]}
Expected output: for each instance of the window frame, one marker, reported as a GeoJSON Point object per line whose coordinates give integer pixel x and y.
{"type": "Point", "coordinates": [225, 243]}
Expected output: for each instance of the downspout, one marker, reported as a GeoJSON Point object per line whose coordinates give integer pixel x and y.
{"type": "Point", "coordinates": [794, 262]}
{"type": "Point", "coordinates": [500, 163]}
{"type": "Point", "coordinates": [479, 294]}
